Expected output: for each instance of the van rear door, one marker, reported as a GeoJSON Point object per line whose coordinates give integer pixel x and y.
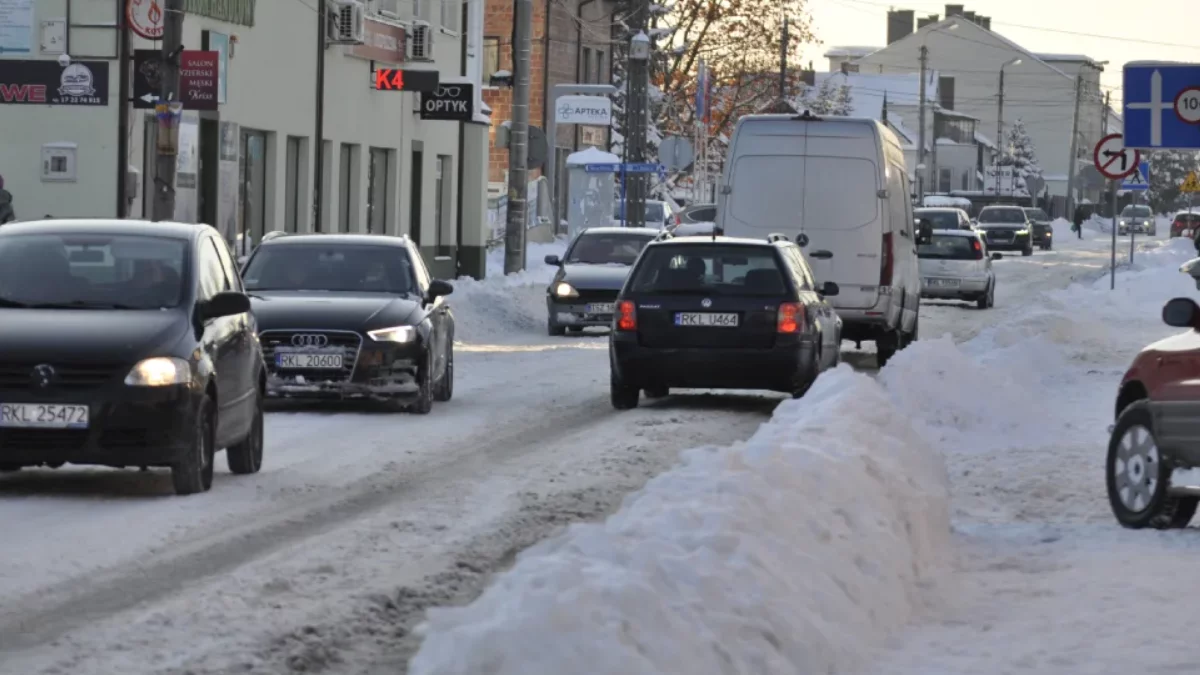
{"type": "Point", "coordinates": [766, 177]}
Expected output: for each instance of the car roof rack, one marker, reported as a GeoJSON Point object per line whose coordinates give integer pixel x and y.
{"type": "Point", "coordinates": [776, 236]}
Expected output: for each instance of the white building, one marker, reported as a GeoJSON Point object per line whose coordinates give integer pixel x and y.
{"type": "Point", "coordinates": [248, 167]}
{"type": "Point", "coordinates": [968, 58]}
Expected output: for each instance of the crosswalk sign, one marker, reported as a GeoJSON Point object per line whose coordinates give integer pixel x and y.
{"type": "Point", "coordinates": [1191, 184]}
{"type": "Point", "coordinates": [1138, 180]}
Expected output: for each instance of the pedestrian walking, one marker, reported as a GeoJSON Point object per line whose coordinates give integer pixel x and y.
{"type": "Point", "coordinates": [7, 215]}
{"type": "Point", "coordinates": [1080, 216]}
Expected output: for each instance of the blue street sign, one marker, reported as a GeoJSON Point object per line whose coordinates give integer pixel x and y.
{"type": "Point", "coordinates": [601, 168]}
{"type": "Point", "coordinates": [624, 168]}
{"type": "Point", "coordinates": [644, 168]}
{"type": "Point", "coordinates": [1138, 180]}
{"type": "Point", "coordinates": [1152, 93]}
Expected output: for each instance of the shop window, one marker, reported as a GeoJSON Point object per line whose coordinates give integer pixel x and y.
{"type": "Point", "coordinates": [491, 58]}
{"type": "Point", "coordinates": [442, 206]}
{"type": "Point", "coordinates": [347, 187]}
{"type": "Point", "coordinates": [378, 190]}
{"type": "Point", "coordinates": [450, 14]}
{"type": "Point", "coordinates": [294, 208]}
{"type": "Point", "coordinates": [253, 173]}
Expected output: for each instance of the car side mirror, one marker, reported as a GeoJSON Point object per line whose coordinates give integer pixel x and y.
{"type": "Point", "coordinates": [1181, 313]}
{"type": "Point", "coordinates": [997, 256]}
{"type": "Point", "coordinates": [830, 289]}
{"type": "Point", "coordinates": [227, 303]}
{"type": "Point", "coordinates": [439, 289]}
{"type": "Point", "coordinates": [553, 260]}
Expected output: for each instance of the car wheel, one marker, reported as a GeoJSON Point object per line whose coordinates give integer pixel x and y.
{"type": "Point", "coordinates": [624, 397]}
{"type": "Point", "coordinates": [1027, 251]}
{"type": "Point", "coordinates": [445, 386]}
{"type": "Point", "coordinates": [195, 472]}
{"type": "Point", "coordinates": [657, 391]}
{"type": "Point", "coordinates": [10, 468]}
{"type": "Point", "coordinates": [1153, 231]}
{"type": "Point", "coordinates": [988, 298]}
{"type": "Point", "coordinates": [246, 457]}
{"type": "Point", "coordinates": [424, 403]}
{"type": "Point", "coordinates": [555, 330]}
{"type": "Point", "coordinates": [885, 347]}
{"type": "Point", "coordinates": [1139, 476]}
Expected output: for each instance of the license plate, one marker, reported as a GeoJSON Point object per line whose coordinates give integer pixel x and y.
{"type": "Point", "coordinates": [942, 282]}
{"type": "Point", "coordinates": [43, 416]}
{"type": "Point", "coordinates": [706, 319]}
{"type": "Point", "coordinates": [309, 361]}
{"type": "Point", "coordinates": [600, 308]}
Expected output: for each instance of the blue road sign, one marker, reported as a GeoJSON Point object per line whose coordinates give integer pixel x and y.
{"type": "Point", "coordinates": [644, 168]}
{"type": "Point", "coordinates": [1151, 93]}
{"type": "Point", "coordinates": [601, 168]}
{"type": "Point", "coordinates": [624, 168]}
{"type": "Point", "coordinates": [1138, 180]}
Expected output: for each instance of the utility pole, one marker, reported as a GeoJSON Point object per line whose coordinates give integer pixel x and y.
{"type": "Point", "coordinates": [123, 96]}
{"type": "Point", "coordinates": [518, 148]}
{"type": "Point", "coordinates": [1000, 116]}
{"type": "Point", "coordinates": [1104, 114]}
{"type": "Point", "coordinates": [783, 61]}
{"type": "Point", "coordinates": [636, 110]}
{"type": "Point", "coordinates": [1074, 149]}
{"type": "Point", "coordinates": [319, 115]}
{"type": "Point", "coordinates": [921, 125]}
{"type": "Point", "coordinates": [168, 111]}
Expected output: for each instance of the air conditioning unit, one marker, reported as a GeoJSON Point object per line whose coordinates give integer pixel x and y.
{"type": "Point", "coordinates": [347, 22]}
{"type": "Point", "coordinates": [420, 41]}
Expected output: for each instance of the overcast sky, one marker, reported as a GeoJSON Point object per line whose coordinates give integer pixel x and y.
{"type": "Point", "coordinates": [1153, 29]}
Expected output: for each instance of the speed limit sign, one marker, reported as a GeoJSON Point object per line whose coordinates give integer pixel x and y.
{"type": "Point", "coordinates": [1187, 105]}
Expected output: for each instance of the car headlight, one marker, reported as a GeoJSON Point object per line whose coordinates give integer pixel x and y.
{"type": "Point", "coordinates": [1123, 223]}
{"type": "Point", "coordinates": [564, 290]}
{"type": "Point", "coordinates": [1024, 231]}
{"type": "Point", "coordinates": [394, 334]}
{"type": "Point", "coordinates": [160, 371]}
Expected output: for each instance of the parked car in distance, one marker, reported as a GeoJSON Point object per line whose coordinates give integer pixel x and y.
{"type": "Point", "coordinates": [944, 218]}
{"type": "Point", "coordinates": [1185, 224]}
{"type": "Point", "coordinates": [1043, 231]}
{"type": "Point", "coordinates": [590, 275]}
{"type": "Point", "coordinates": [352, 316]}
{"type": "Point", "coordinates": [955, 265]}
{"type": "Point", "coordinates": [659, 214]}
{"type": "Point", "coordinates": [1006, 228]}
{"type": "Point", "coordinates": [839, 187]}
{"type": "Point", "coordinates": [1155, 432]}
{"type": "Point", "coordinates": [134, 345]}
{"type": "Point", "coordinates": [723, 313]}
{"type": "Point", "coordinates": [1136, 218]}
{"type": "Point", "coordinates": [698, 213]}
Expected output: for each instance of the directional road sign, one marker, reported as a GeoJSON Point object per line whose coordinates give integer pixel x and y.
{"type": "Point", "coordinates": [624, 168]}
{"type": "Point", "coordinates": [1138, 180]}
{"type": "Point", "coordinates": [1113, 159]}
{"type": "Point", "coordinates": [1162, 106]}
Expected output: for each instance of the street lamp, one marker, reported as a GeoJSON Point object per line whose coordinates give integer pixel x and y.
{"type": "Point", "coordinates": [636, 186]}
{"type": "Point", "coordinates": [921, 104]}
{"type": "Point", "coordinates": [1000, 145]}
{"type": "Point", "coordinates": [639, 47]}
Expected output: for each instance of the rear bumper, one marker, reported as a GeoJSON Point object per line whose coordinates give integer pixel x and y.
{"type": "Point", "coordinates": [381, 371]}
{"type": "Point", "coordinates": [127, 426]}
{"type": "Point", "coordinates": [778, 368]}
{"type": "Point", "coordinates": [967, 288]}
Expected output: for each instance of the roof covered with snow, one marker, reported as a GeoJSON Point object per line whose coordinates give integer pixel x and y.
{"type": "Point", "coordinates": [851, 51]}
{"type": "Point", "coordinates": [592, 156]}
{"type": "Point", "coordinates": [1067, 58]}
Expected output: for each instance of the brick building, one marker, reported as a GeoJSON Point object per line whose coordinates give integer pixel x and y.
{"type": "Point", "coordinates": [573, 43]}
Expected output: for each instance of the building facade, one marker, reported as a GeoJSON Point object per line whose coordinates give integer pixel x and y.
{"type": "Point", "coordinates": [247, 167]}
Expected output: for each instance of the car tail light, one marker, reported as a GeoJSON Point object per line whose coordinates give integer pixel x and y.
{"type": "Point", "coordinates": [977, 249]}
{"type": "Point", "coordinates": [790, 318]}
{"type": "Point", "coordinates": [626, 316]}
{"type": "Point", "coordinates": [885, 265]}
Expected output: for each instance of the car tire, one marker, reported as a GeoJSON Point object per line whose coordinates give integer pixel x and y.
{"type": "Point", "coordinates": [195, 472]}
{"type": "Point", "coordinates": [1153, 231]}
{"type": "Point", "coordinates": [1145, 477]}
{"type": "Point", "coordinates": [624, 397]}
{"type": "Point", "coordinates": [657, 391]}
{"type": "Point", "coordinates": [555, 330]}
{"type": "Point", "coordinates": [444, 390]}
{"type": "Point", "coordinates": [988, 299]}
{"type": "Point", "coordinates": [424, 403]}
{"type": "Point", "coordinates": [1027, 251]}
{"type": "Point", "coordinates": [246, 457]}
{"type": "Point", "coordinates": [885, 347]}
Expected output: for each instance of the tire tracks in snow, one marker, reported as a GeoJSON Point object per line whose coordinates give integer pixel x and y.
{"type": "Point", "coordinates": [31, 621]}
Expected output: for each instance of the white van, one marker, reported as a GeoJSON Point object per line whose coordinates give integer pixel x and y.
{"type": "Point", "coordinates": [842, 184]}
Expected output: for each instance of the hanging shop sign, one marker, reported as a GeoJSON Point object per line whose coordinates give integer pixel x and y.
{"type": "Point", "coordinates": [399, 79]}
{"type": "Point", "coordinates": [452, 102]}
{"type": "Point", "coordinates": [47, 83]}
{"type": "Point", "coordinates": [382, 43]}
{"type": "Point", "coordinates": [199, 78]}
{"type": "Point", "coordinates": [590, 110]}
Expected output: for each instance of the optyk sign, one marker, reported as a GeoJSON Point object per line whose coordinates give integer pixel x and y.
{"type": "Point", "coordinates": [452, 101]}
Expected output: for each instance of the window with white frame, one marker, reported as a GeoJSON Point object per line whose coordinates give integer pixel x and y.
{"type": "Point", "coordinates": [450, 13]}
{"type": "Point", "coordinates": [391, 7]}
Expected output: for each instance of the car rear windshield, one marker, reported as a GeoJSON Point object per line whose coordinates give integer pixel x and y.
{"type": "Point", "coordinates": [92, 271]}
{"type": "Point", "coordinates": [941, 220]}
{"type": "Point", "coordinates": [654, 212]}
{"type": "Point", "coordinates": [1188, 217]}
{"type": "Point", "coordinates": [1036, 214]}
{"type": "Point", "coordinates": [1136, 211]}
{"type": "Point", "coordinates": [607, 248]}
{"type": "Point", "coordinates": [330, 267]}
{"type": "Point", "coordinates": [946, 247]}
{"type": "Point", "coordinates": [1002, 216]}
{"type": "Point", "coordinates": [710, 270]}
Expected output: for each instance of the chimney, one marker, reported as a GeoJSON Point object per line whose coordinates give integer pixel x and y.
{"type": "Point", "coordinates": [954, 10]}
{"type": "Point", "coordinates": [969, 16]}
{"type": "Point", "coordinates": [899, 24]}
{"type": "Point", "coordinates": [984, 22]}
{"type": "Point", "coordinates": [925, 21]}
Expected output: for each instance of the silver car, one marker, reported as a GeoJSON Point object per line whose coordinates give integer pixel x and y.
{"type": "Point", "coordinates": [955, 265]}
{"type": "Point", "coordinates": [1136, 218]}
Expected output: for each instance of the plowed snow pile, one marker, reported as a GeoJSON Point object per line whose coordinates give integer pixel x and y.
{"type": "Point", "coordinates": [785, 554]}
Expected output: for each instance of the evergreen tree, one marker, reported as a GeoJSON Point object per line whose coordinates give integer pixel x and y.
{"type": "Point", "coordinates": [1168, 170]}
{"type": "Point", "coordinates": [845, 101]}
{"type": "Point", "coordinates": [1019, 153]}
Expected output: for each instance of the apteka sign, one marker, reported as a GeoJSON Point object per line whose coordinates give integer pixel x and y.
{"type": "Point", "coordinates": [452, 102]}
{"type": "Point", "coordinates": [587, 110]}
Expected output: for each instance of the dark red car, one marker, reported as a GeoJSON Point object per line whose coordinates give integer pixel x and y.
{"type": "Point", "coordinates": [1158, 428]}
{"type": "Point", "coordinates": [1185, 224]}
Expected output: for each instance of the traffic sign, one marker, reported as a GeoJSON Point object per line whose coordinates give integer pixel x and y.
{"type": "Point", "coordinates": [1162, 106]}
{"type": "Point", "coordinates": [601, 168]}
{"type": "Point", "coordinates": [641, 167]}
{"type": "Point", "coordinates": [1191, 183]}
{"type": "Point", "coordinates": [1113, 159]}
{"type": "Point", "coordinates": [1138, 180]}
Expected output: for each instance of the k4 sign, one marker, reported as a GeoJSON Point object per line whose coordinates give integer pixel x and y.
{"type": "Point", "coordinates": [452, 101]}
{"type": "Point", "coordinates": [590, 110]}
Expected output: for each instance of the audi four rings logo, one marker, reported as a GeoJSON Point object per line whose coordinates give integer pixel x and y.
{"type": "Point", "coordinates": [310, 340]}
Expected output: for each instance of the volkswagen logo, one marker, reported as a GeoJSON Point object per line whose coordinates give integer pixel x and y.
{"type": "Point", "coordinates": [42, 376]}
{"type": "Point", "coordinates": [706, 303]}
{"type": "Point", "coordinates": [310, 340]}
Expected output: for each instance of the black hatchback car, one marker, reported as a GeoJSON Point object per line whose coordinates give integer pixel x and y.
{"type": "Point", "coordinates": [127, 343]}
{"type": "Point", "coordinates": [1043, 230]}
{"type": "Point", "coordinates": [350, 316]}
{"type": "Point", "coordinates": [721, 313]}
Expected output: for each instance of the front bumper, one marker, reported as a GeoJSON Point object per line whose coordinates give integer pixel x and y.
{"type": "Point", "coordinates": [581, 312]}
{"type": "Point", "coordinates": [1042, 234]}
{"type": "Point", "coordinates": [1136, 228]}
{"type": "Point", "coordinates": [127, 426]}
{"type": "Point", "coordinates": [380, 371]}
{"type": "Point", "coordinates": [961, 288]}
{"type": "Point", "coordinates": [998, 240]}
{"type": "Point", "coordinates": [778, 368]}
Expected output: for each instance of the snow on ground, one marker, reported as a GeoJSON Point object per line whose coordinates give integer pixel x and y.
{"type": "Point", "coordinates": [506, 309]}
{"type": "Point", "coordinates": [782, 554]}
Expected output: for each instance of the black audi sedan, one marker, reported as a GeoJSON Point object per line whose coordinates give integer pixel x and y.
{"type": "Point", "coordinates": [352, 316]}
{"type": "Point", "coordinates": [127, 343]}
{"type": "Point", "coordinates": [590, 274]}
